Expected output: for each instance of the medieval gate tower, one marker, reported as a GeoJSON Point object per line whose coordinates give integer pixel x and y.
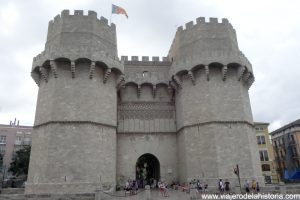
{"type": "Point", "coordinates": [181, 117]}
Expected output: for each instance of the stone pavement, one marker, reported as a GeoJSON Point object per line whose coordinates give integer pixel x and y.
{"type": "Point", "coordinates": [155, 195]}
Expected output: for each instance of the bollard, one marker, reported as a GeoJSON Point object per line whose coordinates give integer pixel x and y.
{"type": "Point", "coordinates": [98, 194]}
{"type": "Point", "coordinates": [282, 188]}
{"type": "Point", "coordinates": [148, 194]}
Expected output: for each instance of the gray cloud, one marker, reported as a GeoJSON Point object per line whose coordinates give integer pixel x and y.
{"type": "Point", "coordinates": [267, 37]}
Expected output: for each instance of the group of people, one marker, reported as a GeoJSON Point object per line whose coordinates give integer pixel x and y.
{"type": "Point", "coordinates": [224, 186]}
{"type": "Point", "coordinates": [253, 187]}
{"type": "Point", "coordinates": [199, 186]}
{"type": "Point", "coordinates": [131, 186]}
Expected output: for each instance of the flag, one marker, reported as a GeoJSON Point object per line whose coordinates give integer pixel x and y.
{"type": "Point", "coordinates": [118, 10]}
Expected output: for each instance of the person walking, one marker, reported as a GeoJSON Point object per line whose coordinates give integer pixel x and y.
{"type": "Point", "coordinates": [227, 186]}
{"type": "Point", "coordinates": [246, 186]}
{"type": "Point", "coordinates": [221, 186]}
{"type": "Point", "coordinates": [253, 185]}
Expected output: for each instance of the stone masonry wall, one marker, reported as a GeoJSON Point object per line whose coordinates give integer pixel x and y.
{"type": "Point", "coordinates": [131, 146]}
{"type": "Point", "coordinates": [71, 157]}
{"type": "Point", "coordinates": [207, 153]}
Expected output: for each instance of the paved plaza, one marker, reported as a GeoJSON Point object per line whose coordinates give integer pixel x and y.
{"type": "Point", "coordinates": [155, 194]}
{"type": "Point", "coordinates": [179, 195]}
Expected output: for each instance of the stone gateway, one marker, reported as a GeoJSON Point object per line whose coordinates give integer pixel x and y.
{"type": "Point", "coordinates": [104, 119]}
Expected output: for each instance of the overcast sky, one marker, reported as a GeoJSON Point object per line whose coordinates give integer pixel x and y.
{"type": "Point", "coordinates": [268, 33]}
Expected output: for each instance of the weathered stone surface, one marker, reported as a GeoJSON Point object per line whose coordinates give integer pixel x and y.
{"type": "Point", "coordinates": [97, 115]}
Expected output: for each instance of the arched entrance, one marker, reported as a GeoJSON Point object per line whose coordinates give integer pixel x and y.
{"type": "Point", "coordinates": [147, 169]}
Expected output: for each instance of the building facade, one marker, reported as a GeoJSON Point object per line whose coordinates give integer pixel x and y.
{"type": "Point", "coordinates": [99, 117]}
{"type": "Point", "coordinates": [13, 137]}
{"type": "Point", "coordinates": [266, 153]}
{"type": "Point", "coordinates": [286, 142]}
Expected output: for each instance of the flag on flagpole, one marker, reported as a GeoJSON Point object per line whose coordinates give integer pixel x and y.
{"type": "Point", "coordinates": [118, 10]}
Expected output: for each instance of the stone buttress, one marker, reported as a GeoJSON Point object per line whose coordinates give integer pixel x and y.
{"type": "Point", "coordinates": [74, 139]}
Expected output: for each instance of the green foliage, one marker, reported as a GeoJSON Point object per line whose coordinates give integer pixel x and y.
{"type": "Point", "coordinates": [20, 163]}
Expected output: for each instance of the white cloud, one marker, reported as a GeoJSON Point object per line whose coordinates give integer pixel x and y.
{"type": "Point", "coordinates": [8, 19]}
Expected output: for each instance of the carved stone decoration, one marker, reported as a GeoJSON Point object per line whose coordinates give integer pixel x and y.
{"type": "Point", "coordinates": [170, 91]}
{"type": "Point", "coordinates": [73, 69]}
{"type": "Point", "coordinates": [246, 77]}
{"type": "Point", "coordinates": [121, 81]}
{"type": "Point", "coordinates": [241, 72]}
{"type": "Point", "coordinates": [154, 91]}
{"type": "Point", "coordinates": [177, 81]}
{"type": "Point", "coordinates": [207, 72]}
{"type": "Point", "coordinates": [250, 81]}
{"type": "Point", "coordinates": [53, 66]}
{"type": "Point", "coordinates": [44, 74]}
{"type": "Point", "coordinates": [224, 72]}
{"type": "Point", "coordinates": [106, 75]}
{"type": "Point", "coordinates": [173, 85]}
{"type": "Point", "coordinates": [92, 69]}
{"type": "Point", "coordinates": [191, 76]}
{"type": "Point", "coordinates": [139, 91]}
{"type": "Point", "coordinates": [146, 110]}
{"type": "Point", "coordinates": [36, 77]}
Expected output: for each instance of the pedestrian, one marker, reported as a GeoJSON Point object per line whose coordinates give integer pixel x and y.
{"type": "Point", "coordinates": [257, 187]}
{"type": "Point", "coordinates": [246, 186]}
{"type": "Point", "coordinates": [227, 186]}
{"type": "Point", "coordinates": [205, 187]}
{"type": "Point", "coordinates": [253, 185]}
{"type": "Point", "coordinates": [199, 186]}
{"type": "Point", "coordinates": [221, 186]}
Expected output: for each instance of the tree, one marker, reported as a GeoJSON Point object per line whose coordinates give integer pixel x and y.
{"type": "Point", "coordinates": [20, 163]}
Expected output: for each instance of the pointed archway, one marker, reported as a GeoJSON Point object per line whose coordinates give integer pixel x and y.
{"type": "Point", "coordinates": [147, 169]}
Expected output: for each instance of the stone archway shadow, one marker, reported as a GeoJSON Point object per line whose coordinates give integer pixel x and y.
{"type": "Point", "coordinates": [147, 170]}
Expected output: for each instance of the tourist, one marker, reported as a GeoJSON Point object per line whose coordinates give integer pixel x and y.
{"type": "Point", "coordinates": [127, 185]}
{"type": "Point", "coordinates": [199, 186]}
{"type": "Point", "coordinates": [253, 185]}
{"type": "Point", "coordinates": [227, 187]}
{"type": "Point", "coordinates": [257, 187]}
{"type": "Point", "coordinates": [165, 189]}
{"type": "Point", "coordinates": [246, 186]}
{"type": "Point", "coordinates": [160, 188]}
{"type": "Point", "coordinates": [134, 187]}
{"type": "Point", "coordinates": [205, 188]}
{"type": "Point", "coordinates": [221, 186]}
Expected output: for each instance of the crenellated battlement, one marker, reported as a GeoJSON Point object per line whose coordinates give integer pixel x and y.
{"type": "Point", "coordinates": [80, 34]}
{"type": "Point", "coordinates": [201, 21]}
{"type": "Point", "coordinates": [90, 17]}
{"type": "Point", "coordinates": [145, 60]}
{"type": "Point", "coordinates": [203, 37]}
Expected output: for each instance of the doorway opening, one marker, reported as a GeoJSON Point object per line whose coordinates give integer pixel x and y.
{"type": "Point", "coordinates": [147, 170]}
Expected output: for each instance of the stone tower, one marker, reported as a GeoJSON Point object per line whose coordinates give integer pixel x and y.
{"type": "Point", "coordinates": [76, 113]}
{"type": "Point", "coordinates": [213, 114]}
{"type": "Point", "coordinates": [186, 116]}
